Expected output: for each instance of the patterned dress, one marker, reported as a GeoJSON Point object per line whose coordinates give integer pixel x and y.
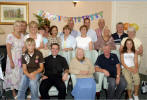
{"type": "Point", "coordinates": [13, 76]}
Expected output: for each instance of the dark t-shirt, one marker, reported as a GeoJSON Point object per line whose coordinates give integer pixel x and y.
{"type": "Point", "coordinates": [55, 65]}
{"type": "Point", "coordinates": [118, 39]}
{"type": "Point", "coordinates": [32, 62]}
{"type": "Point", "coordinates": [108, 64]}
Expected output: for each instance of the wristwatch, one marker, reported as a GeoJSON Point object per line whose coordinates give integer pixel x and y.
{"type": "Point", "coordinates": [117, 76]}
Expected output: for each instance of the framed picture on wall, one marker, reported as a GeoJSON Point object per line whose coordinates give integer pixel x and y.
{"type": "Point", "coordinates": [12, 11]}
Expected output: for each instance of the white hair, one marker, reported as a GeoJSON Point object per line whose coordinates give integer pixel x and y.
{"type": "Point", "coordinates": [131, 29]}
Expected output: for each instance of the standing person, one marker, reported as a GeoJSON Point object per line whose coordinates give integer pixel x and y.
{"type": "Point", "coordinates": [91, 33]}
{"type": "Point", "coordinates": [41, 31]}
{"type": "Point", "coordinates": [108, 64]}
{"type": "Point", "coordinates": [14, 45]}
{"type": "Point", "coordinates": [84, 41]}
{"type": "Point", "coordinates": [82, 67]}
{"type": "Point", "coordinates": [53, 38]}
{"type": "Point", "coordinates": [129, 60]}
{"type": "Point", "coordinates": [68, 42]}
{"type": "Point", "coordinates": [33, 28]}
{"type": "Point", "coordinates": [32, 64]}
{"type": "Point", "coordinates": [101, 25]}
{"type": "Point", "coordinates": [106, 38]}
{"type": "Point", "coordinates": [56, 72]}
{"type": "Point", "coordinates": [74, 33]}
{"type": "Point", "coordinates": [24, 28]}
{"type": "Point", "coordinates": [119, 35]}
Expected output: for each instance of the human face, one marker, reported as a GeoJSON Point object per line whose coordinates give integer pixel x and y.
{"type": "Point", "coordinates": [87, 23]}
{"type": "Point", "coordinates": [66, 31]}
{"type": "Point", "coordinates": [106, 32]}
{"type": "Point", "coordinates": [23, 27]}
{"type": "Point", "coordinates": [129, 45]}
{"type": "Point", "coordinates": [83, 31]}
{"type": "Point", "coordinates": [17, 28]}
{"type": "Point", "coordinates": [42, 32]}
{"type": "Point", "coordinates": [106, 50]}
{"type": "Point", "coordinates": [120, 28]}
{"type": "Point", "coordinates": [71, 24]}
{"type": "Point", "coordinates": [54, 31]}
{"type": "Point", "coordinates": [101, 24]}
{"type": "Point", "coordinates": [131, 34]}
{"type": "Point", "coordinates": [33, 29]}
{"type": "Point", "coordinates": [55, 50]}
{"type": "Point", "coordinates": [30, 47]}
{"type": "Point", "coordinates": [80, 54]}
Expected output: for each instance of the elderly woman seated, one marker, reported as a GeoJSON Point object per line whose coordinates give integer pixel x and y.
{"type": "Point", "coordinates": [85, 87]}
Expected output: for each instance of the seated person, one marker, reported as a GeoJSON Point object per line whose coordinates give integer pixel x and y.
{"type": "Point", "coordinates": [82, 67]}
{"type": "Point", "coordinates": [54, 67]}
{"type": "Point", "coordinates": [68, 42]}
{"type": "Point", "coordinates": [108, 64]}
{"type": "Point", "coordinates": [32, 63]}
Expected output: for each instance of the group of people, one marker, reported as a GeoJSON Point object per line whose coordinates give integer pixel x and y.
{"type": "Point", "coordinates": [25, 63]}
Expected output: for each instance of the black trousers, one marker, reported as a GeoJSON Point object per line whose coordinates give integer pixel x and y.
{"type": "Point", "coordinates": [48, 83]}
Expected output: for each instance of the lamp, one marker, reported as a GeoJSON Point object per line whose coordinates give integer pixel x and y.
{"type": "Point", "coordinates": [75, 3]}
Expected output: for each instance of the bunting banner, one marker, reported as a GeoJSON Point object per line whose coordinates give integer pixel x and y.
{"type": "Point", "coordinates": [50, 16]}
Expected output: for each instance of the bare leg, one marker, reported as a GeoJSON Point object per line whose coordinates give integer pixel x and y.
{"type": "Point", "coordinates": [129, 93]}
{"type": "Point", "coordinates": [14, 93]}
{"type": "Point", "coordinates": [136, 90]}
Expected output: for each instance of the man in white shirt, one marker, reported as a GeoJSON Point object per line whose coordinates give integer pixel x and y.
{"type": "Point", "coordinates": [91, 33]}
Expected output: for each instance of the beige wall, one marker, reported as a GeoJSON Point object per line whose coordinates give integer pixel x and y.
{"type": "Point", "coordinates": [65, 9]}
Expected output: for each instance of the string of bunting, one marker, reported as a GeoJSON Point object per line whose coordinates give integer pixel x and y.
{"type": "Point", "coordinates": [49, 16]}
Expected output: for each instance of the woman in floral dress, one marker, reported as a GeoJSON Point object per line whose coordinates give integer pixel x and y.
{"type": "Point", "coordinates": [14, 44]}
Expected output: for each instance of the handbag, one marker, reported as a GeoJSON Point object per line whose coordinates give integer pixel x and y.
{"type": "Point", "coordinates": [144, 87]}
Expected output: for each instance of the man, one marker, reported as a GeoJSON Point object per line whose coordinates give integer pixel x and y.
{"type": "Point", "coordinates": [108, 64]}
{"type": "Point", "coordinates": [54, 66]}
{"type": "Point", "coordinates": [119, 35]}
{"type": "Point", "coordinates": [24, 27]}
{"type": "Point", "coordinates": [101, 25]}
{"type": "Point", "coordinates": [74, 33]}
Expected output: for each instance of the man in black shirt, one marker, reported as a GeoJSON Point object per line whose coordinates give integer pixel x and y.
{"type": "Point", "coordinates": [54, 67]}
{"type": "Point", "coordinates": [108, 64]}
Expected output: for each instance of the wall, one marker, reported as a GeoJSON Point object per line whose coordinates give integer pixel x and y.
{"type": "Point", "coordinates": [133, 12]}
{"type": "Point", "coordinates": [65, 9]}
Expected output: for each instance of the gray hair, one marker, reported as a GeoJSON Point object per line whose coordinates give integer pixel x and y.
{"type": "Point", "coordinates": [131, 29]}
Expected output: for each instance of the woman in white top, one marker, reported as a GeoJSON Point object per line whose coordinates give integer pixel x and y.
{"type": "Point", "coordinates": [84, 41]}
{"type": "Point", "coordinates": [68, 42]}
{"type": "Point", "coordinates": [33, 28]}
{"type": "Point", "coordinates": [129, 60]}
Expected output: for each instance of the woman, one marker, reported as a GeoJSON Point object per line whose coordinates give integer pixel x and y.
{"type": "Point", "coordinates": [33, 28]}
{"type": "Point", "coordinates": [129, 60]}
{"type": "Point", "coordinates": [14, 45]}
{"type": "Point", "coordinates": [105, 39]}
{"type": "Point", "coordinates": [42, 32]}
{"type": "Point", "coordinates": [82, 67]}
{"type": "Point", "coordinates": [68, 42]}
{"type": "Point", "coordinates": [53, 36]}
{"type": "Point", "coordinates": [84, 41]}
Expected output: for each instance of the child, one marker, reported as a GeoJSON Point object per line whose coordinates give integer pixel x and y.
{"type": "Point", "coordinates": [32, 63]}
{"type": "Point", "coordinates": [129, 60]}
{"type": "Point", "coordinates": [45, 40]}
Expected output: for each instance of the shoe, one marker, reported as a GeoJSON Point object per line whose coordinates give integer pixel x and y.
{"type": "Point", "coordinates": [15, 98]}
{"type": "Point", "coordinates": [130, 99]}
{"type": "Point", "coordinates": [29, 96]}
{"type": "Point", "coordinates": [136, 97]}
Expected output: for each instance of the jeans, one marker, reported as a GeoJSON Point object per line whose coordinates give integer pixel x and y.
{"type": "Point", "coordinates": [114, 91]}
{"type": "Point", "coordinates": [32, 84]}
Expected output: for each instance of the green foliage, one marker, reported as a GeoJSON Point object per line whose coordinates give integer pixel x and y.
{"type": "Point", "coordinates": [42, 21]}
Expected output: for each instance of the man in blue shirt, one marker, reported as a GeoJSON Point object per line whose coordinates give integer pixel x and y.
{"type": "Point", "coordinates": [108, 64]}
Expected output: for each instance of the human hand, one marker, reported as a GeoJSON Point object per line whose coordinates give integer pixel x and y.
{"type": "Point", "coordinates": [12, 64]}
{"type": "Point", "coordinates": [106, 73]}
{"type": "Point", "coordinates": [117, 80]}
{"type": "Point", "coordinates": [44, 77]}
{"type": "Point", "coordinates": [65, 77]}
{"type": "Point", "coordinates": [32, 76]}
{"type": "Point", "coordinates": [84, 72]}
